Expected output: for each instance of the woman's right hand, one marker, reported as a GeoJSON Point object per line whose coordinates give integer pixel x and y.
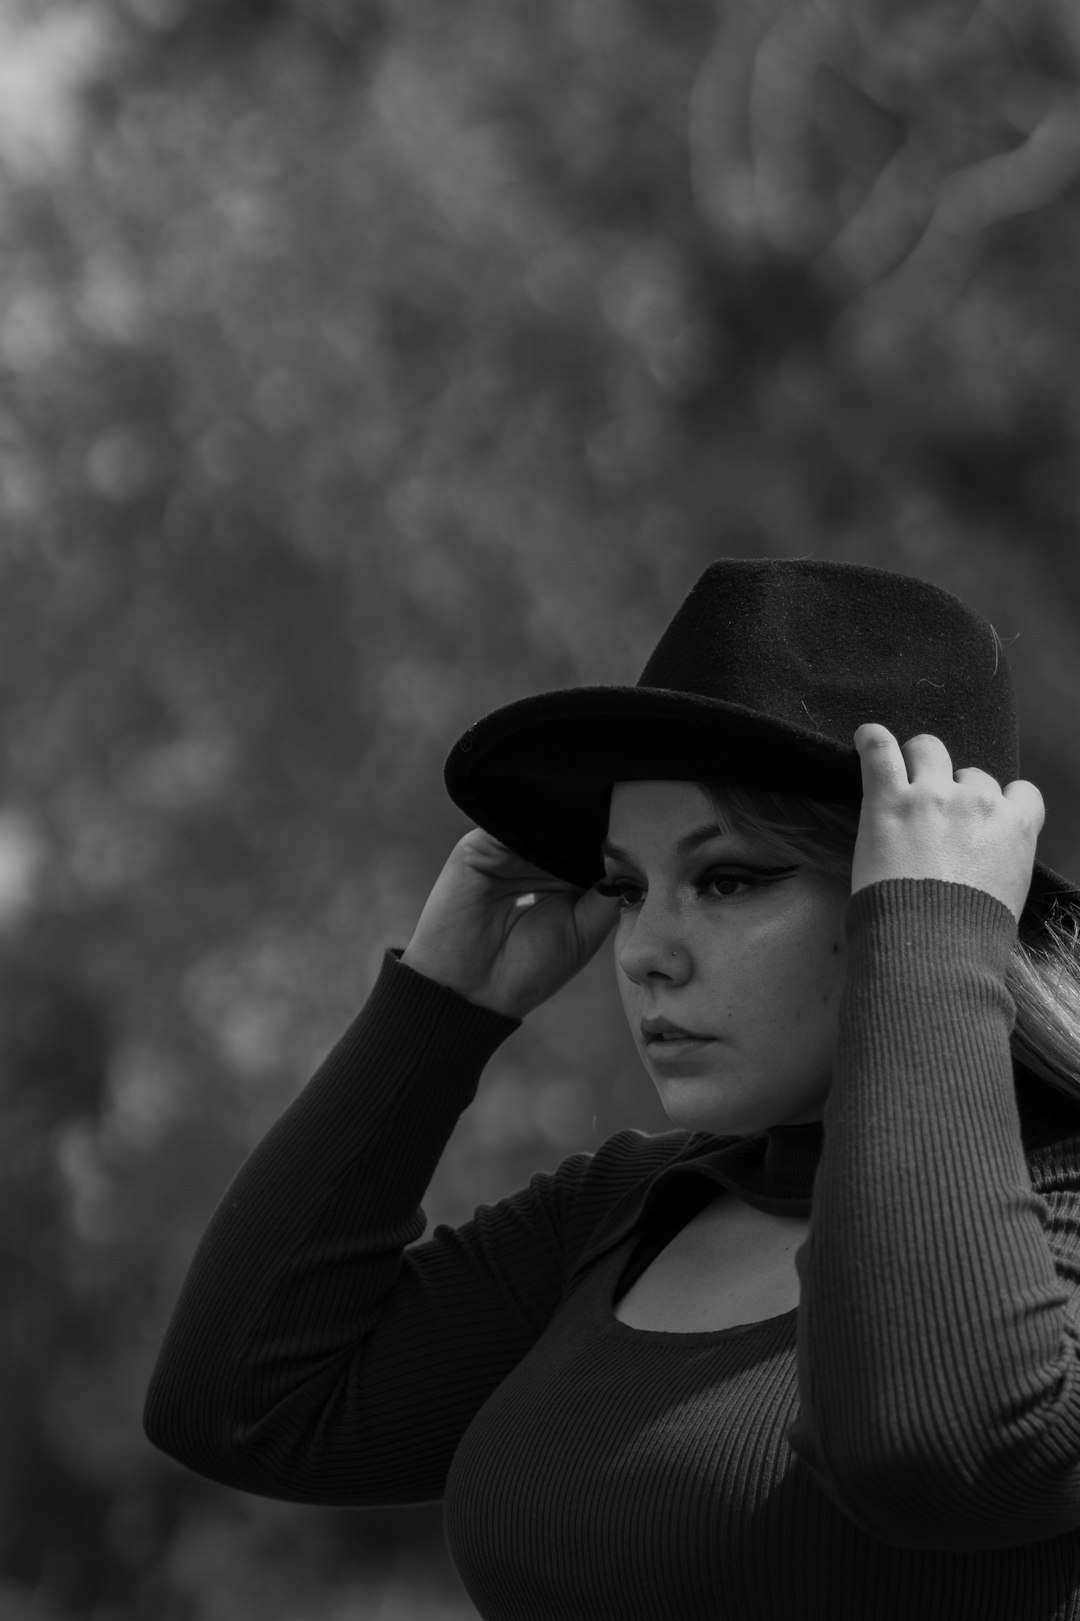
{"type": "Point", "coordinates": [476, 935]}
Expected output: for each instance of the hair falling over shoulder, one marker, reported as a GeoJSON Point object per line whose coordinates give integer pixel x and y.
{"type": "Point", "coordinates": [1043, 976]}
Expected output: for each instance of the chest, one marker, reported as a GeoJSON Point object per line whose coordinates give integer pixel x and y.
{"type": "Point", "coordinates": [730, 1264]}
{"type": "Point", "coordinates": [613, 1475]}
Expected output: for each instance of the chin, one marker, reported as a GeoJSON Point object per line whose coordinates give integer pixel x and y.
{"type": "Point", "coordinates": [693, 1103]}
{"type": "Point", "coordinates": [691, 1107]}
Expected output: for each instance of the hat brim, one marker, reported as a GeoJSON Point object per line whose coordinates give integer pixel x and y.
{"type": "Point", "coordinates": [537, 773]}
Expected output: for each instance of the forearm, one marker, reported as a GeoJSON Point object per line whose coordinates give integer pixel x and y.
{"type": "Point", "coordinates": [306, 1244]}
{"type": "Point", "coordinates": [931, 1326]}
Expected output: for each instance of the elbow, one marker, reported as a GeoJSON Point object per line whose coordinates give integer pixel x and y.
{"type": "Point", "coordinates": [267, 1457]}
{"type": "Point", "coordinates": [937, 1508]}
{"type": "Point", "coordinates": [165, 1430]}
{"type": "Point", "coordinates": [891, 1518]}
{"type": "Point", "coordinates": [159, 1419]}
{"type": "Point", "coordinates": [175, 1423]}
{"type": "Point", "coordinates": [960, 1525]}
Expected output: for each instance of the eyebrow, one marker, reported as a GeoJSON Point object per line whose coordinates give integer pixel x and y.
{"type": "Point", "coordinates": [683, 847]}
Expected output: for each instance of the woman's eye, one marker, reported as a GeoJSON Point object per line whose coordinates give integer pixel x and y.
{"type": "Point", "coordinates": [718, 883]}
{"type": "Point", "coordinates": [725, 882]}
{"type": "Point", "coordinates": [621, 890]}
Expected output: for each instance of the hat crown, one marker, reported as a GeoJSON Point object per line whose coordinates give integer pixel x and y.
{"type": "Point", "coordinates": [760, 680]}
{"type": "Point", "coordinates": [825, 646]}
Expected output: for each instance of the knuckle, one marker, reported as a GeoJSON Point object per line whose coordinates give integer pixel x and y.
{"type": "Point", "coordinates": [983, 806]}
{"type": "Point", "coordinates": [928, 796]}
{"type": "Point", "coordinates": [905, 808]}
{"type": "Point", "coordinates": [1025, 820]}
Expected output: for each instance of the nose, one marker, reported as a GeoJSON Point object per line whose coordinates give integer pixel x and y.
{"type": "Point", "coordinates": [653, 949]}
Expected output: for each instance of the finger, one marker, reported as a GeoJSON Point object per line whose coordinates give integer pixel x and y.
{"type": "Point", "coordinates": [595, 916]}
{"type": "Point", "coordinates": [1028, 799]}
{"type": "Point", "coordinates": [927, 757]}
{"type": "Point", "coordinates": [883, 766]}
{"type": "Point", "coordinates": [489, 855]}
{"type": "Point", "coordinates": [972, 776]}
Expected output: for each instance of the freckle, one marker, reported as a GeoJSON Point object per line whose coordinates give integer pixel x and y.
{"type": "Point", "coordinates": [836, 948]}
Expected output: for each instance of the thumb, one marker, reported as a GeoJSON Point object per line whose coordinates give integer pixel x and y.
{"type": "Point", "coordinates": [595, 916]}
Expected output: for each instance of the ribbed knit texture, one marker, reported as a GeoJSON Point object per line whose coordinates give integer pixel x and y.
{"type": "Point", "coordinates": [903, 1447]}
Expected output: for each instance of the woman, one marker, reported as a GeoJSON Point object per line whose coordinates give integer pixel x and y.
{"type": "Point", "coordinates": [811, 1354]}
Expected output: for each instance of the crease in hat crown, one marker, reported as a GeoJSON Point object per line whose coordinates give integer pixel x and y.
{"type": "Point", "coordinates": [760, 678]}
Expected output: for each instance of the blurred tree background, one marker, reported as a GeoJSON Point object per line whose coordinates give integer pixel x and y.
{"type": "Point", "coordinates": [367, 364]}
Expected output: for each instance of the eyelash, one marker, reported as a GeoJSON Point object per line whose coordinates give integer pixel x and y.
{"type": "Point", "coordinates": [753, 877]}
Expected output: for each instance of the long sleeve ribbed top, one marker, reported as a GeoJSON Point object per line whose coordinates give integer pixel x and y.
{"type": "Point", "coordinates": [905, 1446]}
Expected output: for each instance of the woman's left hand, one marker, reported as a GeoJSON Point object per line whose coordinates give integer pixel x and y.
{"type": "Point", "coordinates": [922, 819]}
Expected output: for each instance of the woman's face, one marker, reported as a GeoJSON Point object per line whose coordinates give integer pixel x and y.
{"type": "Point", "coordinates": [749, 959]}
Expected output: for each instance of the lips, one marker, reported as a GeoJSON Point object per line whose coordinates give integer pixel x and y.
{"type": "Point", "coordinates": [662, 1032]}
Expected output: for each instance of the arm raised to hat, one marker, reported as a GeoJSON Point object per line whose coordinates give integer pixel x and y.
{"type": "Point", "coordinates": [503, 933]}
{"type": "Point", "coordinates": [923, 819]}
{"type": "Point", "coordinates": [938, 1372]}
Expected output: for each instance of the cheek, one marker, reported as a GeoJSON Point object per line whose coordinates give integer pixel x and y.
{"type": "Point", "coordinates": [801, 977]}
{"type": "Point", "coordinates": [824, 987]}
{"type": "Point", "coordinates": [629, 992]}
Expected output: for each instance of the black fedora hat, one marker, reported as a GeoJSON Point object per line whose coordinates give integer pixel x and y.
{"type": "Point", "coordinates": [760, 679]}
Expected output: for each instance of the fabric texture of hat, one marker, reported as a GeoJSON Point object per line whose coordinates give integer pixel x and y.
{"type": "Point", "coordinates": [760, 679]}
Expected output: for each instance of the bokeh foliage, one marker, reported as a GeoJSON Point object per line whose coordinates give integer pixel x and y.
{"type": "Point", "coordinates": [367, 365]}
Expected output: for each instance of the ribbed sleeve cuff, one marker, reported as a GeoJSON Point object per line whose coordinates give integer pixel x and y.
{"type": "Point", "coordinates": [411, 1028]}
{"type": "Point", "coordinates": [926, 972]}
{"type": "Point", "coordinates": [940, 920]}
